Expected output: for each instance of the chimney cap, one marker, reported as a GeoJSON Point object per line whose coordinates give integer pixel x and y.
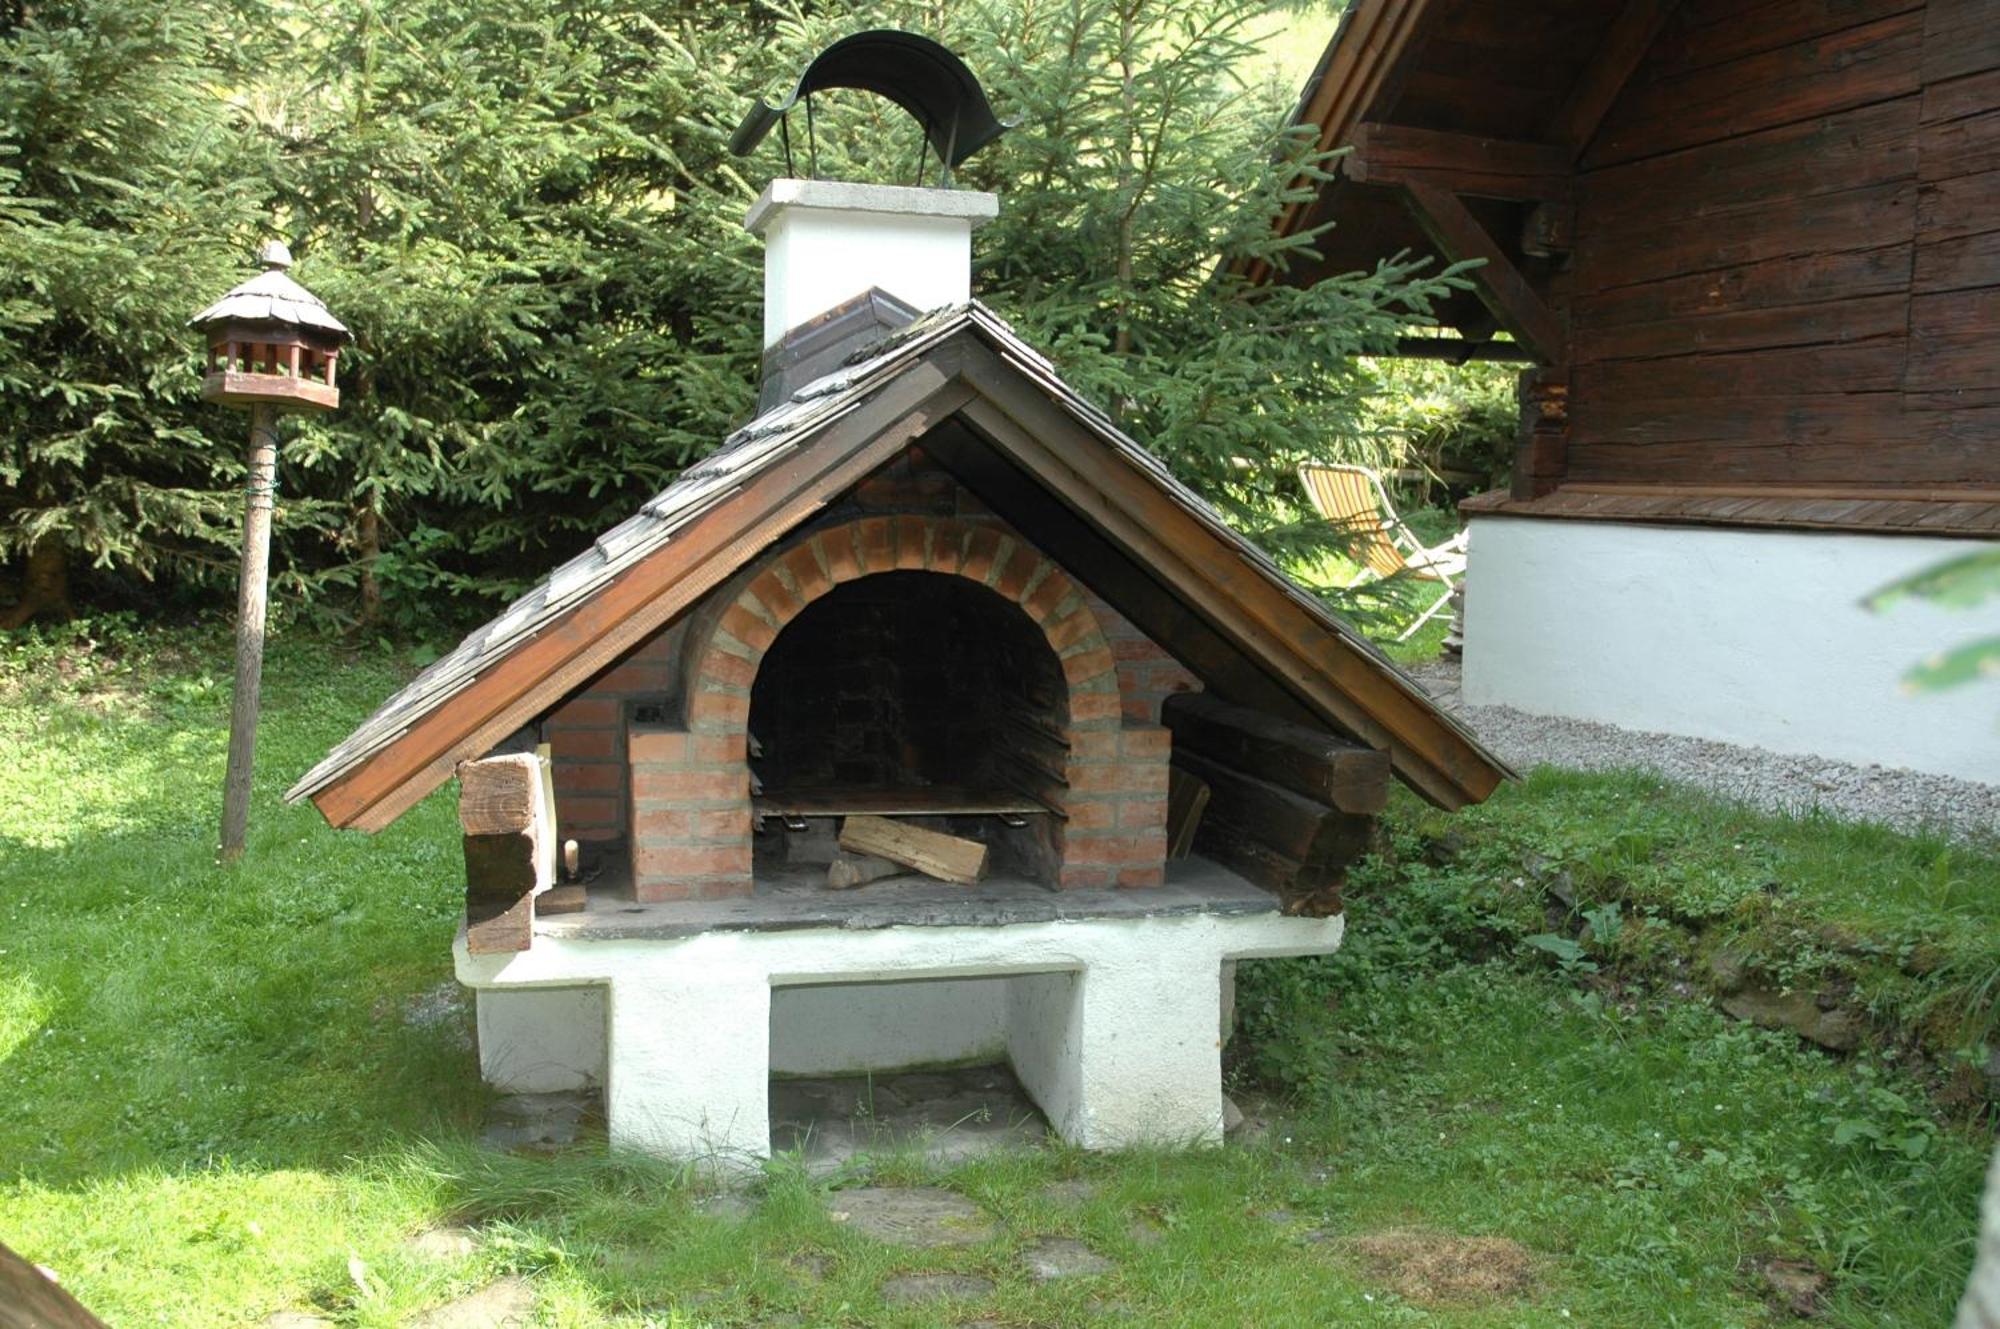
{"type": "Point", "coordinates": [914, 72]}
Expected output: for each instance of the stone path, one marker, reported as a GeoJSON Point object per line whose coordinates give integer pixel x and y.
{"type": "Point", "coordinates": [1777, 781]}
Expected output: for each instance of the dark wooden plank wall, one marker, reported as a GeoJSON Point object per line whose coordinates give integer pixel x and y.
{"type": "Point", "coordinates": [1788, 253]}
{"type": "Point", "coordinates": [1486, 68]}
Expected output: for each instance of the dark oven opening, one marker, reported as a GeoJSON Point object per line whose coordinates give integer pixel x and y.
{"type": "Point", "coordinates": [915, 694]}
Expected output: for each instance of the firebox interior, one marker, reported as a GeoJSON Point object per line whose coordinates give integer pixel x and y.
{"type": "Point", "coordinates": [909, 692]}
{"type": "Point", "coordinates": [912, 694]}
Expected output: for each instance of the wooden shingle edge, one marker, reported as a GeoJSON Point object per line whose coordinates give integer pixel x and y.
{"type": "Point", "coordinates": [541, 670]}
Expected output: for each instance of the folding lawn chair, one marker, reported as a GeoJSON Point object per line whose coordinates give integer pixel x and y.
{"type": "Point", "coordinates": [1352, 498]}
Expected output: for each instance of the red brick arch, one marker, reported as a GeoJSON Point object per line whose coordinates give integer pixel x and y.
{"type": "Point", "coordinates": [690, 786]}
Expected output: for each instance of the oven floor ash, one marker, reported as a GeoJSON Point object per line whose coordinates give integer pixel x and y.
{"type": "Point", "coordinates": [944, 1116]}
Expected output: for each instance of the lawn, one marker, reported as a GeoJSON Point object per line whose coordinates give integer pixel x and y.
{"type": "Point", "coordinates": [225, 1092]}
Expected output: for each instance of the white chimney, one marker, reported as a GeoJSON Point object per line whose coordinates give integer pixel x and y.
{"type": "Point", "coordinates": [827, 241]}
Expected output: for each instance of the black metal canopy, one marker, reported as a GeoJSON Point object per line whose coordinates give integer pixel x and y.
{"type": "Point", "coordinates": [914, 72]}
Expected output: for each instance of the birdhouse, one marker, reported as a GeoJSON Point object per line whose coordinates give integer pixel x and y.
{"type": "Point", "coordinates": [271, 342]}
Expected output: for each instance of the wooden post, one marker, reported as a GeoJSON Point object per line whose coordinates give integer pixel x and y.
{"type": "Point", "coordinates": [250, 607]}
{"type": "Point", "coordinates": [1541, 456]}
{"type": "Point", "coordinates": [510, 850]}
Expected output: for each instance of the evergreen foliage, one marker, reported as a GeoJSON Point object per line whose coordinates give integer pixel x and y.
{"type": "Point", "coordinates": [528, 216]}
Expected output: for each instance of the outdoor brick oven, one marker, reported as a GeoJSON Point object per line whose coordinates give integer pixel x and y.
{"type": "Point", "coordinates": [928, 585]}
{"type": "Point", "coordinates": [924, 665]}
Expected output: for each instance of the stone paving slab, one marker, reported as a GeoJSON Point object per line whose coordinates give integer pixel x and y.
{"type": "Point", "coordinates": [911, 1216]}
{"type": "Point", "coordinates": [1063, 1257]}
{"type": "Point", "coordinates": [443, 1243]}
{"type": "Point", "coordinates": [506, 1304]}
{"type": "Point", "coordinates": [914, 1289]}
{"type": "Point", "coordinates": [540, 1121]}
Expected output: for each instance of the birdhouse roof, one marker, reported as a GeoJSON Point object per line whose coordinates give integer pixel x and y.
{"type": "Point", "coordinates": [271, 297]}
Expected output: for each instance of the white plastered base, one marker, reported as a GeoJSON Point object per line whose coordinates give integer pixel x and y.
{"type": "Point", "coordinates": [1111, 1025]}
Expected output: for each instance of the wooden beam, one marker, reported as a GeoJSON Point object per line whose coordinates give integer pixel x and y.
{"type": "Point", "coordinates": [1386, 154]}
{"type": "Point", "coordinates": [1460, 237]}
{"type": "Point", "coordinates": [1610, 69]}
{"type": "Point", "coordinates": [563, 655]}
{"type": "Point", "coordinates": [1295, 848]}
{"type": "Point", "coordinates": [1460, 350]}
{"type": "Point", "coordinates": [1309, 762]}
{"type": "Point", "coordinates": [1541, 451]}
{"type": "Point", "coordinates": [509, 849]}
{"type": "Point", "coordinates": [1288, 823]}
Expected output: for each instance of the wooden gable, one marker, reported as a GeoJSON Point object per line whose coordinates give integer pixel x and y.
{"type": "Point", "coordinates": [991, 409]}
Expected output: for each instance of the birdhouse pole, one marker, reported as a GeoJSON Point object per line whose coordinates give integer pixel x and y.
{"type": "Point", "coordinates": [271, 347]}
{"type": "Point", "coordinates": [252, 602]}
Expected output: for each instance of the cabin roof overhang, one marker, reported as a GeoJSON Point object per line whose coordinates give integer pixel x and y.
{"type": "Point", "coordinates": [993, 408]}
{"type": "Point", "coordinates": [1461, 167]}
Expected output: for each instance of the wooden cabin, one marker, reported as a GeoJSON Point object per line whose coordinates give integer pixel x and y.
{"type": "Point", "coordinates": [1751, 251]}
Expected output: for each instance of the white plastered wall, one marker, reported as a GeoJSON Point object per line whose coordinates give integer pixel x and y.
{"type": "Point", "coordinates": [847, 1028]}
{"type": "Point", "coordinates": [1113, 1025]}
{"type": "Point", "coordinates": [1750, 637]}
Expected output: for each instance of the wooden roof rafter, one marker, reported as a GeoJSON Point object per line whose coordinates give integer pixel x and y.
{"type": "Point", "coordinates": [1500, 283]}
{"type": "Point", "coordinates": [1616, 60]}
{"type": "Point", "coordinates": [1377, 90]}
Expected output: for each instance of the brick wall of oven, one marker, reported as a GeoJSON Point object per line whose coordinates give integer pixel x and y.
{"type": "Point", "coordinates": [680, 797]}
{"type": "Point", "coordinates": [587, 737]}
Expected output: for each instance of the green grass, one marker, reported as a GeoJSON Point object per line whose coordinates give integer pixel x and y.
{"type": "Point", "coordinates": [217, 1099]}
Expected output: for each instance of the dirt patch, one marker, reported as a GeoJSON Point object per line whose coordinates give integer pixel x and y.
{"type": "Point", "coordinates": [1436, 1269]}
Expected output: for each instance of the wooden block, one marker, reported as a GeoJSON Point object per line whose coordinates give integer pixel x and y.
{"type": "Point", "coordinates": [510, 849]}
{"type": "Point", "coordinates": [1292, 826]}
{"type": "Point", "coordinates": [1187, 797]}
{"type": "Point", "coordinates": [850, 870]}
{"type": "Point", "coordinates": [497, 928]}
{"type": "Point", "coordinates": [1319, 765]}
{"type": "Point", "coordinates": [1306, 889]}
{"type": "Point", "coordinates": [561, 900]}
{"type": "Point", "coordinates": [933, 853]}
{"type": "Point", "coordinates": [502, 866]}
{"type": "Point", "coordinates": [498, 794]}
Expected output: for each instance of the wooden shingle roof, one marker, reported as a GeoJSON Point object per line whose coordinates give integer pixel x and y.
{"type": "Point", "coordinates": [1256, 637]}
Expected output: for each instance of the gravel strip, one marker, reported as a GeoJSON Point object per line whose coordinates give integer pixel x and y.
{"type": "Point", "coordinates": [1902, 799]}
